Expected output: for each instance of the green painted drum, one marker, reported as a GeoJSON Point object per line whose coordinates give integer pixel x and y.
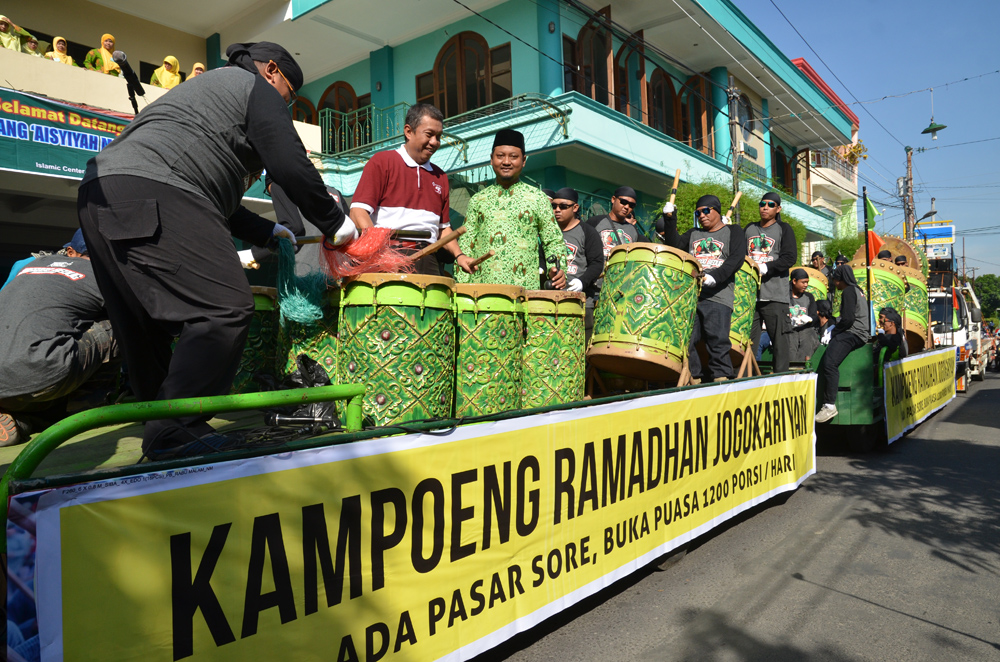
{"type": "Point", "coordinates": [888, 288]}
{"type": "Point", "coordinates": [744, 304]}
{"type": "Point", "coordinates": [917, 310]}
{"type": "Point", "coordinates": [397, 337]}
{"type": "Point", "coordinates": [318, 341]}
{"type": "Point", "coordinates": [645, 314]}
{"type": "Point", "coordinates": [818, 283]}
{"type": "Point", "coordinates": [262, 341]}
{"type": "Point", "coordinates": [554, 363]}
{"type": "Point", "coordinates": [490, 326]}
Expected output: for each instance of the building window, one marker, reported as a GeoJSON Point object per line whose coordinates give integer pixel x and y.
{"type": "Point", "coordinates": [744, 114]}
{"type": "Point", "coordinates": [630, 79]}
{"type": "Point", "coordinates": [467, 75]}
{"type": "Point", "coordinates": [781, 173]}
{"type": "Point", "coordinates": [344, 131]}
{"type": "Point", "coordinates": [304, 111]}
{"type": "Point", "coordinates": [570, 65]}
{"type": "Point", "coordinates": [340, 97]}
{"type": "Point", "coordinates": [594, 57]}
{"type": "Point", "coordinates": [696, 121]}
{"type": "Point", "coordinates": [663, 109]}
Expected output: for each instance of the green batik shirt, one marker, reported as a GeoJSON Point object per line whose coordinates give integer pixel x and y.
{"type": "Point", "coordinates": [510, 222]}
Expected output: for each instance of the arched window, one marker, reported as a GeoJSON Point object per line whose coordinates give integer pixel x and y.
{"type": "Point", "coordinates": [304, 111]}
{"type": "Point", "coordinates": [780, 172]}
{"type": "Point", "coordinates": [467, 75]}
{"type": "Point", "coordinates": [630, 78]}
{"type": "Point", "coordinates": [696, 121]}
{"type": "Point", "coordinates": [663, 103]}
{"type": "Point", "coordinates": [340, 97]}
{"type": "Point", "coordinates": [594, 58]}
{"type": "Point", "coordinates": [342, 125]}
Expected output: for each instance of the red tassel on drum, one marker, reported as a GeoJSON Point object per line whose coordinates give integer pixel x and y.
{"type": "Point", "coordinates": [369, 253]}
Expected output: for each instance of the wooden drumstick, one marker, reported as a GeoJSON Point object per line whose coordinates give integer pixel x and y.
{"type": "Point", "coordinates": [452, 235]}
{"type": "Point", "coordinates": [673, 189]}
{"type": "Point", "coordinates": [396, 234]}
{"type": "Point", "coordinates": [482, 258]}
{"type": "Point", "coordinates": [733, 205]}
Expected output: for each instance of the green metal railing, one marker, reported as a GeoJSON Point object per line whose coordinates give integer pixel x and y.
{"type": "Point", "coordinates": [361, 128]}
{"type": "Point", "coordinates": [29, 459]}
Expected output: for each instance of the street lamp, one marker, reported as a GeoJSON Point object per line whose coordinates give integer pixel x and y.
{"type": "Point", "coordinates": [933, 128]}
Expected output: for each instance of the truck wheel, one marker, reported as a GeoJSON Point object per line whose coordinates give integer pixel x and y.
{"type": "Point", "coordinates": [980, 374]}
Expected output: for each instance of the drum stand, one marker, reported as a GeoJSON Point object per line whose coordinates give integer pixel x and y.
{"type": "Point", "coordinates": [749, 367]}
{"type": "Point", "coordinates": [592, 380]}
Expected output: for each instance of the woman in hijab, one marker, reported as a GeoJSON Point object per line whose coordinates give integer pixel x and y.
{"type": "Point", "coordinates": [99, 59]}
{"type": "Point", "coordinates": [10, 34]}
{"type": "Point", "coordinates": [892, 337]}
{"type": "Point", "coordinates": [802, 340]}
{"type": "Point", "coordinates": [197, 70]}
{"type": "Point", "coordinates": [58, 52]}
{"type": "Point", "coordinates": [31, 47]}
{"type": "Point", "coordinates": [169, 75]}
{"type": "Point", "coordinates": [849, 333]}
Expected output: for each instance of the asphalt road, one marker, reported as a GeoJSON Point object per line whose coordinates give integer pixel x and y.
{"type": "Point", "coordinates": [893, 555]}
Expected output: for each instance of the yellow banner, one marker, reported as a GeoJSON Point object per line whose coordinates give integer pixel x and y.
{"type": "Point", "coordinates": [916, 387]}
{"type": "Point", "coordinates": [417, 547]}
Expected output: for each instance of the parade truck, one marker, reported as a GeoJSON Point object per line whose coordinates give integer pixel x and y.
{"type": "Point", "coordinates": [956, 319]}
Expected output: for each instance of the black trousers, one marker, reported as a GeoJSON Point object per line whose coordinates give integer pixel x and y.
{"type": "Point", "coordinates": [775, 317]}
{"type": "Point", "coordinates": [166, 265]}
{"type": "Point", "coordinates": [840, 346]}
{"type": "Point", "coordinates": [711, 324]}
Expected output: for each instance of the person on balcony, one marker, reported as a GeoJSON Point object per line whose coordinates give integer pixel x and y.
{"type": "Point", "coordinates": [720, 249]}
{"type": "Point", "coordinates": [771, 244]}
{"type": "Point", "coordinates": [586, 256]}
{"type": "Point", "coordinates": [169, 75]}
{"type": "Point", "coordinates": [31, 47]}
{"type": "Point", "coordinates": [401, 189]}
{"type": "Point", "coordinates": [100, 59]}
{"type": "Point", "coordinates": [510, 218]}
{"type": "Point", "coordinates": [197, 70]}
{"type": "Point", "coordinates": [58, 52]}
{"type": "Point", "coordinates": [55, 336]}
{"type": "Point", "coordinates": [160, 229]}
{"type": "Point", "coordinates": [11, 36]}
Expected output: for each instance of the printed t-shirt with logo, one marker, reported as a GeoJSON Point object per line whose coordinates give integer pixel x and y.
{"type": "Point", "coordinates": [711, 249]}
{"type": "Point", "coordinates": [764, 246]}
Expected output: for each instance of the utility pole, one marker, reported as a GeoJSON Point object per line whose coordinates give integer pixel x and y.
{"type": "Point", "coordinates": [733, 95]}
{"type": "Point", "coordinates": [910, 212]}
{"type": "Point", "coordinates": [964, 279]}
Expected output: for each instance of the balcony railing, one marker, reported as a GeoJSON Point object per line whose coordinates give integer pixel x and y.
{"type": "Point", "coordinates": [361, 128]}
{"type": "Point", "coordinates": [827, 158]}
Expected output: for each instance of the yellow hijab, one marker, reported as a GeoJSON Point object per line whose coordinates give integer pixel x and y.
{"type": "Point", "coordinates": [10, 38]}
{"type": "Point", "coordinates": [106, 57]}
{"type": "Point", "coordinates": [56, 55]}
{"type": "Point", "coordinates": [168, 79]}
{"type": "Point", "coordinates": [195, 66]}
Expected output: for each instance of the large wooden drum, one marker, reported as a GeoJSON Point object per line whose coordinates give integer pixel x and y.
{"type": "Point", "coordinates": [887, 289]}
{"type": "Point", "coordinates": [490, 325]}
{"type": "Point", "coordinates": [916, 319]}
{"type": "Point", "coordinates": [554, 365]}
{"type": "Point", "coordinates": [397, 337]}
{"type": "Point", "coordinates": [744, 304]}
{"type": "Point", "coordinates": [645, 314]}
{"type": "Point", "coordinates": [819, 285]}
{"type": "Point", "coordinates": [262, 341]}
{"type": "Point", "coordinates": [318, 340]}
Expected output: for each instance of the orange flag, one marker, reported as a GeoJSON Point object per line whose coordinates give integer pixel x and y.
{"type": "Point", "coordinates": [874, 245]}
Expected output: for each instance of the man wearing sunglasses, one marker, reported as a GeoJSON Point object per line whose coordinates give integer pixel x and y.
{"type": "Point", "coordinates": [771, 244]}
{"type": "Point", "coordinates": [159, 207]}
{"type": "Point", "coordinates": [719, 249]}
{"type": "Point", "coordinates": [586, 258]}
{"type": "Point", "coordinates": [614, 227]}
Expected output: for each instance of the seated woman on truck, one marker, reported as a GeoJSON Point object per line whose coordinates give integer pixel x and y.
{"type": "Point", "coordinates": [850, 333]}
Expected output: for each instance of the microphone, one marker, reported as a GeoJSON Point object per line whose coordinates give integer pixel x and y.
{"type": "Point", "coordinates": [128, 72]}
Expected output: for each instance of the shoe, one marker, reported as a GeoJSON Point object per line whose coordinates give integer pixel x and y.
{"type": "Point", "coordinates": [825, 413]}
{"type": "Point", "coordinates": [12, 433]}
{"type": "Point", "coordinates": [213, 442]}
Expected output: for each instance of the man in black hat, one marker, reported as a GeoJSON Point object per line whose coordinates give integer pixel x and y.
{"type": "Point", "coordinates": [54, 336]}
{"type": "Point", "coordinates": [158, 207]}
{"type": "Point", "coordinates": [771, 244]}
{"type": "Point", "coordinates": [586, 257]}
{"type": "Point", "coordinates": [614, 227]}
{"type": "Point", "coordinates": [820, 265]}
{"type": "Point", "coordinates": [510, 218]}
{"type": "Point", "coordinates": [720, 249]}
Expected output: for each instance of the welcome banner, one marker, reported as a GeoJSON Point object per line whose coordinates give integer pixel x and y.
{"type": "Point", "coordinates": [421, 547]}
{"type": "Point", "coordinates": [916, 387]}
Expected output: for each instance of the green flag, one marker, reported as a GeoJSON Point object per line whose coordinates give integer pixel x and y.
{"type": "Point", "coordinates": [870, 208]}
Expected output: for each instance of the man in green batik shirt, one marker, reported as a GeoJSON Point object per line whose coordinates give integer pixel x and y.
{"type": "Point", "coordinates": [510, 217]}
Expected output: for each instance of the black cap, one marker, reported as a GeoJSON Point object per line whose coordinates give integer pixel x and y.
{"type": "Point", "coordinates": [566, 193]}
{"type": "Point", "coordinates": [798, 274]}
{"type": "Point", "coordinates": [264, 51]}
{"type": "Point", "coordinates": [509, 138]}
{"type": "Point", "coordinates": [900, 259]}
{"type": "Point", "coordinates": [549, 192]}
{"type": "Point", "coordinates": [841, 258]}
{"type": "Point", "coordinates": [709, 201]}
{"type": "Point", "coordinates": [772, 196]}
{"type": "Point", "coordinates": [817, 254]}
{"type": "Point", "coordinates": [626, 192]}
{"type": "Point", "coordinates": [884, 255]}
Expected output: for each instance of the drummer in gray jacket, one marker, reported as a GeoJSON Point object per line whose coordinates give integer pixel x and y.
{"type": "Point", "coordinates": [720, 249]}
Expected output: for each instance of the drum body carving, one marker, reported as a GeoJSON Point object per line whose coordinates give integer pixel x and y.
{"type": "Point", "coordinates": [818, 284]}
{"type": "Point", "coordinates": [397, 337]}
{"type": "Point", "coordinates": [917, 317]}
{"type": "Point", "coordinates": [318, 341]}
{"type": "Point", "coordinates": [262, 341]}
{"type": "Point", "coordinates": [744, 304]}
{"type": "Point", "coordinates": [554, 363]}
{"type": "Point", "coordinates": [644, 317]}
{"type": "Point", "coordinates": [490, 336]}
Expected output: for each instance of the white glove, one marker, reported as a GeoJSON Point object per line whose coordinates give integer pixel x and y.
{"type": "Point", "coordinates": [346, 233]}
{"type": "Point", "coordinates": [283, 232]}
{"type": "Point", "coordinates": [709, 280]}
{"type": "Point", "coordinates": [827, 335]}
{"type": "Point", "coordinates": [574, 285]}
{"type": "Point", "coordinates": [763, 268]}
{"type": "Point", "coordinates": [669, 208]}
{"type": "Point", "coordinates": [246, 258]}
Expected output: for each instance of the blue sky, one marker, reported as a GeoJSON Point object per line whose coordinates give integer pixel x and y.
{"type": "Point", "coordinates": [880, 48]}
